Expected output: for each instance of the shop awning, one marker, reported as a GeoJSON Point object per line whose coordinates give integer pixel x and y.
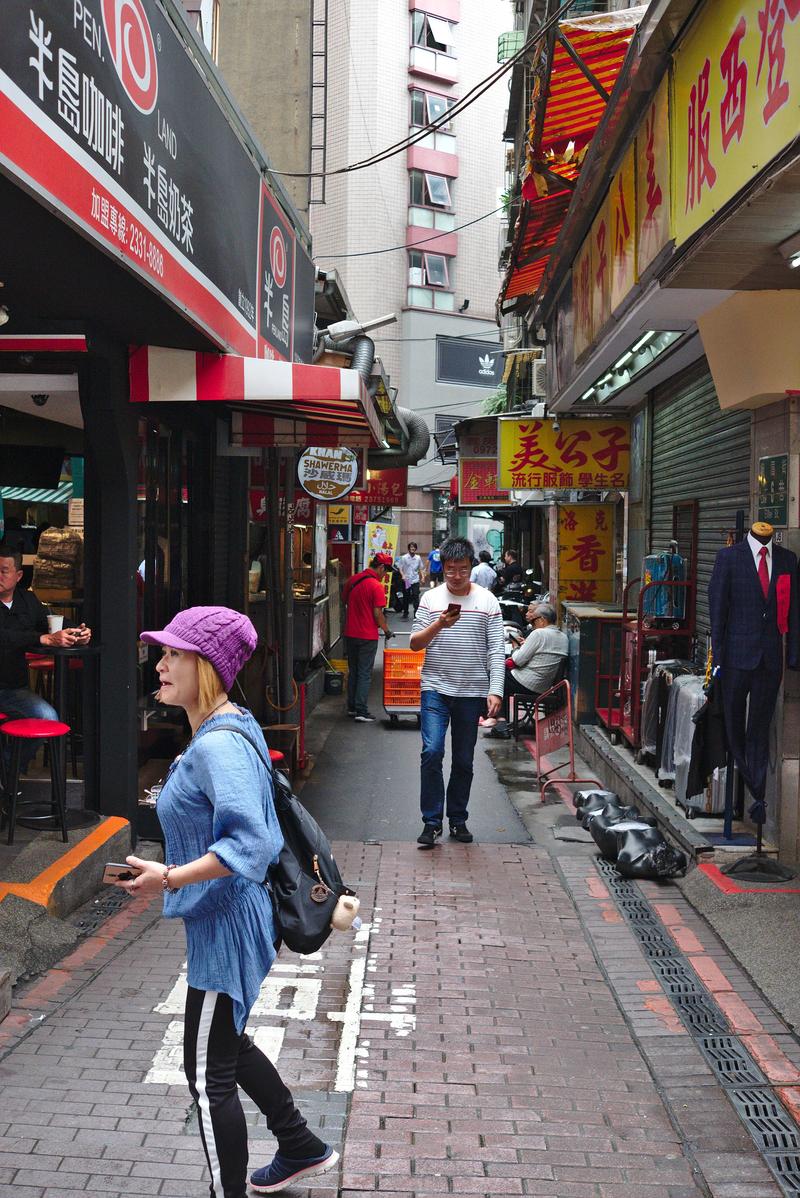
{"type": "Point", "coordinates": [566, 108]}
{"type": "Point", "coordinates": [287, 398]}
{"type": "Point", "coordinates": [61, 494]}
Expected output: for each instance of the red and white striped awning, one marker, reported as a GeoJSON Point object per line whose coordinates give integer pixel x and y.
{"type": "Point", "coordinates": [283, 403]}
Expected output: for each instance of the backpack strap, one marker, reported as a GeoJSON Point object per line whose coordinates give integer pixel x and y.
{"type": "Point", "coordinates": [241, 732]}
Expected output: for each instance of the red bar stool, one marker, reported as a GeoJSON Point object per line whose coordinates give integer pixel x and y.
{"type": "Point", "coordinates": [41, 670]}
{"type": "Point", "coordinates": [277, 758]}
{"type": "Point", "coordinates": [3, 717]}
{"type": "Point", "coordinates": [48, 730]}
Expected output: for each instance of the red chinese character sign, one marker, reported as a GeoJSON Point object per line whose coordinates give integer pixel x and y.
{"type": "Point", "coordinates": [588, 455]}
{"type": "Point", "coordinates": [582, 298]}
{"type": "Point", "coordinates": [586, 553]}
{"type": "Point", "coordinates": [622, 228]}
{"type": "Point", "coordinates": [601, 238]}
{"type": "Point", "coordinates": [736, 88]}
{"type": "Point", "coordinates": [653, 179]}
{"type": "Point", "coordinates": [477, 484]}
{"type": "Point", "coordinates": [385, 488]}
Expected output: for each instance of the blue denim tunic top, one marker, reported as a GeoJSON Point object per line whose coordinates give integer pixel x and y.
{"type": "Point", "coordinates": [217, 797]}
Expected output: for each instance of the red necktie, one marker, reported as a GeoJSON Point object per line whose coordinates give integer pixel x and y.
{"type": "Point", "coordinates": [763, 572]}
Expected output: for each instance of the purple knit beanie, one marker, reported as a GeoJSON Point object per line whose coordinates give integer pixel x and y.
{"type": "Point", "coordinates": [224, 636]}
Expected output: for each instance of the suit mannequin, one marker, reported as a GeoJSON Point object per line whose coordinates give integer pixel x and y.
{"type": "Point", "coordinates": [747, 632]}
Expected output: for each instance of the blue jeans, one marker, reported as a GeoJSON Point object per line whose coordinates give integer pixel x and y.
{"type": "Point", "coordinates": [360, 660]}
{"type": "Point", "coordinates": [462, 714]}
{"type": "Point", "coordinates": [22, 704]}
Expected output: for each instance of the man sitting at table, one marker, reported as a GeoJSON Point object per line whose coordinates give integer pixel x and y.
{"type": "Point", "coordinates": [23, 629]}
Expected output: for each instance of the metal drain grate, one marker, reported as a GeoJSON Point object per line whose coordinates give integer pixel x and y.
{"type": "Point", "coordinates": [699, 1012]}
{"type": "Point", "coordinates": [772, 1129]}
{"type": "Point", "coordinates": [767, 1120]}
{"type": "Point", "coordinates": [732, 1065]}
{"type": "Point", "coordinates": [786, 1167]}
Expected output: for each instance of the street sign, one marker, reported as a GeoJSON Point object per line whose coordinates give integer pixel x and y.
{"type": "Point", "coordinates": [773, 490]}
{"type": "Point", "coordinates": [327, 473]}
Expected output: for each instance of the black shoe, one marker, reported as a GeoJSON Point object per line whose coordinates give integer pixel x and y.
{"type": "Point", "coordinates": [462, 833]}
{"type": "Point", "coordinates": [366, 718]}
{"type": "Point", "coordinates": [428, 836]}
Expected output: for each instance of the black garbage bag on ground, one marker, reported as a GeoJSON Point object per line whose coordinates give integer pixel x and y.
{"type": "Point", "coordinates": [608, 828]}
{"type": "Point", "coordinates": [644, 853]}
{"type": "Point", "coordinates": [597, 802]}
{"type": "Point", "coordinates": [582, 797]}
{"type": "Point", "coordinates": [613, 812]}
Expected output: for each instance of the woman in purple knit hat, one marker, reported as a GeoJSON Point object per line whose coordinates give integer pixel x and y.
{"type": "Point", "coordinates": [221, 835]}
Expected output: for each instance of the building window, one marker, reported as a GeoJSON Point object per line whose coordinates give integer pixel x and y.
{"type": "Point", "coordinates": [427, 270]}
{"type": "Point", "coordinates": [431, 32]}
{"type": "Point", "coordinates": [429, 281]}
{"type": "Point", "coordinates": [427, 107]}
{"type": "Point", "coordinates": [429, 190]}
{"type": "Point", "coordinates": [204, 16]}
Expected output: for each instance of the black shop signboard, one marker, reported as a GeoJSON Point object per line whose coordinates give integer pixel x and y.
{"type": "Point", "coordinates": [105, 114]}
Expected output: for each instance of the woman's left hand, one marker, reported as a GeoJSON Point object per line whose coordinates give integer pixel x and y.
{"type": "Point", "coordinates": [149, 881]}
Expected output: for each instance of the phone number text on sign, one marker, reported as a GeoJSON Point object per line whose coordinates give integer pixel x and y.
{"type": "Point", "coordinates": [119, 227]}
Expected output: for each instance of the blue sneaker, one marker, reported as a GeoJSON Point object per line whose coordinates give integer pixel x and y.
{"type": "Point", "coordinates": [282, 1171]}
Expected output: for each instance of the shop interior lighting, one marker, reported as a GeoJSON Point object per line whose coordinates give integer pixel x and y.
{"type": "Point", "coordinates": [4, 314]}
{"type": "Point", "coordinates": [641, 355]}
{"type": "Point", "coordinates": [790, 250]}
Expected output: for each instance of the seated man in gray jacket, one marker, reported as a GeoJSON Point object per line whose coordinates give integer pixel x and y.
{"type": "Point", "coordinates": [533, 667]}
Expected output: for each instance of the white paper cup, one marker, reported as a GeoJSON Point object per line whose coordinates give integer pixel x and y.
{"type": "Point", "coordinates": [55, 623]}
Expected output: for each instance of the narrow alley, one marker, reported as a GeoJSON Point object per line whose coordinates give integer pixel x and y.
{"type": "Point", "coordinates": [499, 1025]}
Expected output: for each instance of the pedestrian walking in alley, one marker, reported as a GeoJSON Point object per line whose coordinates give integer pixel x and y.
{"type": "Point", "coordinates": [484, 573]}
{"type": "Point", "coordinates": [412, 568]}
{"type": "Point", "coordinates": [435, 567]}
{"type": "Point", "coordinates": [221, 835]}
{"type": "Point", "coordinates": [365, 599]}
{"type": "Point", "coordinates": [459, 626]}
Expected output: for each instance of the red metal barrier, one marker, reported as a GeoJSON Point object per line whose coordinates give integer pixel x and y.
{"type": "Point", "coordinates": [553, 731]}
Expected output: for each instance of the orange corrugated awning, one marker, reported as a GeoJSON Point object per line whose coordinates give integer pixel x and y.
{"type": "Point", "coordinates": [573, 106]}
{"type": "Point", "coordinates": [572, 109]}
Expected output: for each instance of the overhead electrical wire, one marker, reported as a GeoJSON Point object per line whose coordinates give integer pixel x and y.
{"type": "Point", "coordinates": [435, 237]}
{"type": "Point", "coordinates": [460, 106]}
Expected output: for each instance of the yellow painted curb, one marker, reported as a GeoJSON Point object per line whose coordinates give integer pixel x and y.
{"type": "Point", "coordinates": [41, 888]}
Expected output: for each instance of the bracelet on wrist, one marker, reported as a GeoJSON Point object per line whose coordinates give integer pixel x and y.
{"type": "Point", "coordinates": [165, 879]}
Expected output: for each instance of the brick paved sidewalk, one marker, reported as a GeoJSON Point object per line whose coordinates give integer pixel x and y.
{"type": "Point", "coordinates": [469, 1043]}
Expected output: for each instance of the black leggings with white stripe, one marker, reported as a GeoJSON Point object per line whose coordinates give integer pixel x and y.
{"type": "Point", "coordinates": [217, 1060]}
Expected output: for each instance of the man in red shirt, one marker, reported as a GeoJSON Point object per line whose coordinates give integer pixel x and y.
{"type": "Point", "coordinates": [365, 599]}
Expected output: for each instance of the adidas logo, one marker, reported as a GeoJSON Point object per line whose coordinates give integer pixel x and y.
{"type": "Point", "coordinates": [486, 363]}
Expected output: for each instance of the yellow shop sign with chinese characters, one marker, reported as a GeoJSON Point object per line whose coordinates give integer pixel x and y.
{"type": "Point", "coordinates": [736, 102]}
{"type": "Point", "coordinates": [587, 455]}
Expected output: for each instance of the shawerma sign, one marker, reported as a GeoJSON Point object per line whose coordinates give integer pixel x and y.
{"type": "Point", "coordinates": [328, 473]}
{"type": "Point", "coordinates": [107, 118]}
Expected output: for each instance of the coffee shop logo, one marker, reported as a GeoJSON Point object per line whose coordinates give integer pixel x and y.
{"type": "Point", "coordinates": [486, 365]}
{"type": "Point", "coordinates": [133, 51]}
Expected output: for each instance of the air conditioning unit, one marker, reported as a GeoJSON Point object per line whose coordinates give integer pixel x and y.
{"type": "Point", "coordinates": [539, 377]}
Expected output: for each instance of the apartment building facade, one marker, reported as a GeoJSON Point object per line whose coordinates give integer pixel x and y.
{"type": "Point", "coordinates": [392, 69]}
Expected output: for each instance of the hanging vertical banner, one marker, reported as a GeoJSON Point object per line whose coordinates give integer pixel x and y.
{"type": "Point", "coordinates": [653, 179]}
{"type": "Point", "coordinates": [622, 228]}
{"type": "Point", "coordinates": [586, 552]}
{"type": "Point", "coordinates": [381, 538]}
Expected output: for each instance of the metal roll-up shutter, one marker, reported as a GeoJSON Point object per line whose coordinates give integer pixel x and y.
{"type": "Point", "coordinates": [698, 453]}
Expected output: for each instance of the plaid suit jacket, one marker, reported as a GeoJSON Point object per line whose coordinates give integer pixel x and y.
{"type": "Point", "coordinates": [744, 625]}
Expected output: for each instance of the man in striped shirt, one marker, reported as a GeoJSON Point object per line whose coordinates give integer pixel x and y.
{"type": "Point", "coordinates": [460, 627]}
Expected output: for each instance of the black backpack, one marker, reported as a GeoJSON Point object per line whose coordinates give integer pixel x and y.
{"type": "Point", "coordinates": [304, 883]}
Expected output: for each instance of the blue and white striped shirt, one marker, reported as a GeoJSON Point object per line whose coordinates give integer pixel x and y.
{"type": "Point", "coordinates": [467, 659]}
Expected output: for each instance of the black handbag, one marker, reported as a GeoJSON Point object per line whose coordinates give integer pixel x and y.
{"type": "Point", "coordinates": [304, 883]}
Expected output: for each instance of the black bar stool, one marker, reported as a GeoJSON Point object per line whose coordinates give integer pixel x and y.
{"type": "Point", "coordinates": [18, 731]}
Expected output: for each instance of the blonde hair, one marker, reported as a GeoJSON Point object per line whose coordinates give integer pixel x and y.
{"type": "Point", "coordinates": [209, 684]}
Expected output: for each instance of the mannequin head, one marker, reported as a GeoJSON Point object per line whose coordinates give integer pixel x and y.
{"type": "Point", "coordinates": [762, 531]}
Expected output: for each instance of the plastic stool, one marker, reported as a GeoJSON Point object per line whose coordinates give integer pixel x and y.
{"type": "Point", "coordinates": [42, 669]}
{"type": "Point", "coordinates": [47, 730]}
